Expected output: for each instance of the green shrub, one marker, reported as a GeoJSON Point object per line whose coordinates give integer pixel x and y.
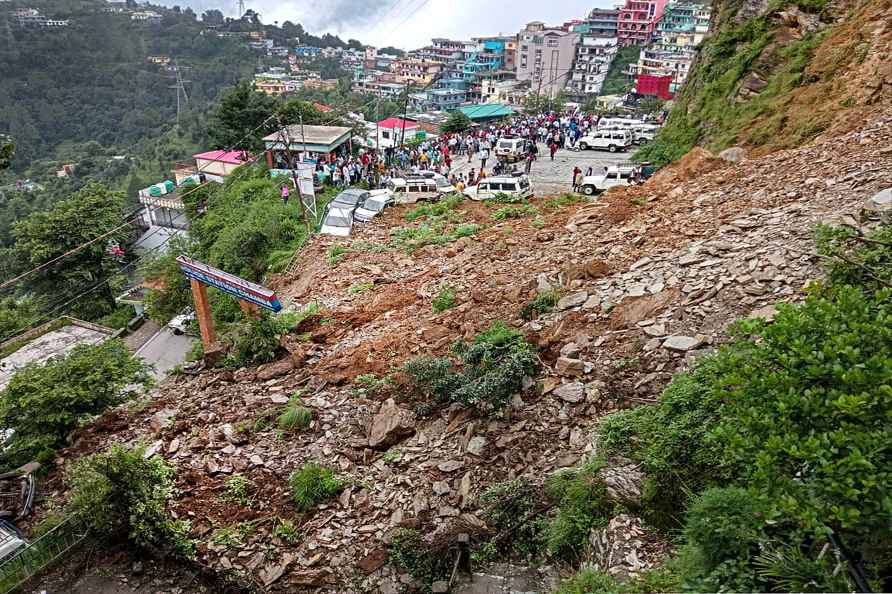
{"type": "Point", "coordinates": [371, 384]}
{"type": "Point", "coordinates": [514, 511]}
{"type": "Point", "coordinates": [236, 490]}
{"type": "Point", "coordinates": [313, 484]}
{"type": "Point", "coordinates": [435, 233]}
{"type": "Point", "coordinates": [444, 300]}
{"type": "Point", "coordinates": [360, 288]}
{"type": "Point", "coordinates": [565, 199]}
{"type": "Point", "coordinates": [543, 303]}
{"type": "Point", "coordinates": [581, 504]}
{"type": "Point", "coordinates": [590, 581]}
{"type": "Point", "coordinates": [295, 416]}
{"type": "Point", "coordinates": [255, 341]}
{"type": "Point", "coordinates": [725, 524]}
{"type": "Point", "coordinates": [43, 403]}
{"type": "Point", "coordinates": [871, 255]}
{"type": "Point", "coordinates": [287, 531]}
{"type": "Point", "coordinates": [514, 212]}
{"type": "Point", "coordinates": [122, 494]}
{"type": "Point", "coordinates": [410, 552]}
{"type": "Point", "coordinates": [493, 368]}
{"type": "Point", "coordinates": [503, 198]}
{"type": "Point", "coordinates": [445, 210]}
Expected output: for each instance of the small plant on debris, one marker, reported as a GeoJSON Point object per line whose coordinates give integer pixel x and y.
{"type": "Point", "coordinates": [371, 385]}
{"type": "Point", "coordinates": [236, 490]}
{"type": "Point", "coordinates": [537, 223]}
{"type": "Point", "coordinates": [121, 493]}
{"type": "Point", "coordinates": [312, 484]}
{"type": "Point", "coordinates": [295, 416]}
{"type": "Point", "coordinates": [494, 366]}
{"type": "Point", "coordinates": [335, 252]}
{"type": "Point", "coordinates": [444, 300]}
{"type": "Point", "coordinates": [255, 341]}
{"type": "Point", "coordinates": [410, 552]}
{"type": "Point", "coordinates": [445, 210]}
{"type": "Point", "coordinates": [503, 198]}
{"type": "Point", "coordinates": [413, 238]}
{"type": "Point", "coordinates": [515, 212]}
{"type": "Point", "coordinates": [543, 303]}
{"type": "Point", "coordinates": [287, 531]}
{"type": "Point", "coordinates": [360, 288]}
{"type": "Point", "coordinates": [565, 199]}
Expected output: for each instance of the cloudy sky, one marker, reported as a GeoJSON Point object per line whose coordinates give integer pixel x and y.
{"type": "Point", "coordinates": [407, 23]}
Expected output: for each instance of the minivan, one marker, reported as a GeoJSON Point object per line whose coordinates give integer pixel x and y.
{"type": "Point", "coordinates": [511, 149]}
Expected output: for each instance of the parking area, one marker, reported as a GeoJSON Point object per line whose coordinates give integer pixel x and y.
{"type": "Point", "coordinates": [552, 177]}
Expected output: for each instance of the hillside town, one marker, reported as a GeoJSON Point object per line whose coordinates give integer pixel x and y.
{"type": "Point", "coordinates": [600, 305]}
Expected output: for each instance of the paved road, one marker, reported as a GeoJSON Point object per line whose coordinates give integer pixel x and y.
{"type": "Point", "coordinates": [165, 350]}
{"type": "Point", "coordinates": [552, 177]}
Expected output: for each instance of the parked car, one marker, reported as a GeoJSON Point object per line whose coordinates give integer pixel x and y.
{"type": "Point", "coordinates": [612, 140]}
{"type": "Point", "coordinates": [443, 185]}
{"type": "Point", "coordinates": [614, 176]}
{"type": "Point", "coordinates": [182, 323]}
{"type": "Point", "coordinates": [511, 149]}
{"type": "Point", "coordinates": [10, 541]}
{"type": "Point", "coordinates": [411, 189]}
{"type": "Point", "coordinates": [351, 199]}
{"type": "Point", "coordinates": [513, 185]}
{"type": "Point", "coordinates": [377, 201]}
{"type": "Point", "coordinates": [337, 221]}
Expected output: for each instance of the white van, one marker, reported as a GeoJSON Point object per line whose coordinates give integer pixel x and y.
{"type": "Point", "coordinates": [511, 149]}
{"type": "Point", "coordinates": [513, 185]}
{"type": "Point", "coordinates": [612, 140]}
{"type": "Point", "coordinates": [412, 189]}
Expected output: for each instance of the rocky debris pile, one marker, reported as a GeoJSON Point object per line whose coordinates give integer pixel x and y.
{"type": "Point", "coordinates": [648, 277]}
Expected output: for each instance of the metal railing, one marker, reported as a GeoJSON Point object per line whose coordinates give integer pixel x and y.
{"type": "Point", "coordinates": [35, 556]}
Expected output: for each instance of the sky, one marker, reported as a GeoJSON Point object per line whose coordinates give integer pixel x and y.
{"type": "Point", "coordinates": [407, 24]}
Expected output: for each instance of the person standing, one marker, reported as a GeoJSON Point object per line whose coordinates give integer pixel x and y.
{"type": "Point", "coordinates": [484, 155]}
{"type": "Point", "coordinates": [577, 179]}
{"type": "Point", "coordinates": [285, 193]}
{"type": "Point", "coordinates": [553, 147]}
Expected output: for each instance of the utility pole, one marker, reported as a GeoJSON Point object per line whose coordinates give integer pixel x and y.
{"type": "Point", "coordinates": [180, 86]}
{"type": "Point", "coordinates": [241, 8]}
{"type": "Point", "coordinates": [286, 143]}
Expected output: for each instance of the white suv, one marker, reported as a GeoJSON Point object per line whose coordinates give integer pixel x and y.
{"type": "Point", "coordinates": [513, 185]}
{"type": "Point", "coordinates": [612, 140]}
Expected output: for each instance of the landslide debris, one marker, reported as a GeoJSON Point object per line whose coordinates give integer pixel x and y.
{"type": "Point", "coordinates": [648, 277]}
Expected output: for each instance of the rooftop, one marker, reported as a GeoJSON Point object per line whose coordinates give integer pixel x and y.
{"type": "Point", "coordinates": [232, 157]}
{"type": "Point", "coordinates": [397, 123]}
{"type": "Point", "coordinates": [487, 110]}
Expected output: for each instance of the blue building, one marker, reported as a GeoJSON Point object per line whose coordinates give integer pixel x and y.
{"type": "Point", "coordinates": [306, 51]}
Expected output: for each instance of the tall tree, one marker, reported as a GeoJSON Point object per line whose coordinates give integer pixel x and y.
{"type": "Point", "coordinates": [7, 150]}
{"type": "Point", "coordinates": [241, 110]}
{"type": "Point", "coordinates": [86, 215]}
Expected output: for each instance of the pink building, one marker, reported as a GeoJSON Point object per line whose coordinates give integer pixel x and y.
{"type": "Point", "coordinates": [638, 21]}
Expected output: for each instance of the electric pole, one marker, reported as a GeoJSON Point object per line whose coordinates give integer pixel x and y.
{"type": "Point", "coordinates": [180, 86]}
{"type": "Point", "coordinates": [241, 8]}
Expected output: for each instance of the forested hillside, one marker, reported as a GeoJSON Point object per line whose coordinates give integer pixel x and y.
{"type": "Point", "coordinates": [92, 81]}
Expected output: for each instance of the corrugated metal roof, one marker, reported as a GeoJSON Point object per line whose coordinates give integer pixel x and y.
{"type": "Point", "coordinates": [486, 111]}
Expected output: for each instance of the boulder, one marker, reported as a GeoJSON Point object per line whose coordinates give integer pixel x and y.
{"type": "Point", "coordinates": [374, 561]}
{"type": "Point", "coordinates": [734, 154]}
{"type": "Point", "coordinates": [569, 367]}
{"type": "Point", "coordinates": [572, 300]}
{"type": "Point", "coordinates": [390, 425]}
{"type": "Point", "coordinates": [623, 480]}
{"type": "Point", "coordinates": [574, 392]}
{"type": "Point", "coordinates": [162, 419]}
{"type": "Point", "coordinates": [682, 343]}
{"type": "Point", "coordinates": [275, 369]}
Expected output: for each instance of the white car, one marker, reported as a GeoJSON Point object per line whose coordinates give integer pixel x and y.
{"type": "Point", "coordinates": [511, 149]}
{"type": "Point", "coordinates": [443, 185]}
{"type": "Point", "coordinates": [377, 201]}
{"type": "Point", "coordinates": [182, 323]}
{"type": "Point", "coordinates": [512, 185]}
{"type": "Point", "coordinates": [337, 221]}
{"type": "Point", "coordinates": [412, 189]}
{"type": "Point", "coordinates": [614, 176]}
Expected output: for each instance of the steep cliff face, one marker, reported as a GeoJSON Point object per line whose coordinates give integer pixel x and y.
{"type": "Point", "coordinates": [775, 75]}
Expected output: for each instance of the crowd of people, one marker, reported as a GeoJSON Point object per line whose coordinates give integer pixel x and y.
{"type": "Point", "coordinates": [446, 153]}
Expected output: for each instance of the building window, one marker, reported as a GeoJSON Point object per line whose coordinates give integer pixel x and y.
{"type": "Point", "coordinates": [552, 42]}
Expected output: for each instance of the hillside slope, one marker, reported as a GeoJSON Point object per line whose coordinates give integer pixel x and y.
{"type": "Point", "coordinates": [776, 75]}
{"type": "Point", "coordinates": [703, 243]}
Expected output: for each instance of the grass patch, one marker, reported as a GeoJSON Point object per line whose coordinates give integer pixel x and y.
{"type": "Point", "coordinates": [444, 210]}
{"type": "Point", "coordinates": [413, 238]}
{"type": "Point", "coordinates": [360, 288]}
{"type": "Point", "coordinates": [543, 303]}
{"type": "Point", "coordinates": [444, 300]}
{"type": "Point", "coordinates": [565, 199]}
{"type": "Point", "coordinates": [335, 253]}
{"type": "Point", "coordinates": [312, 484]}
{"type": "Point", "coordinates": [514, 212]}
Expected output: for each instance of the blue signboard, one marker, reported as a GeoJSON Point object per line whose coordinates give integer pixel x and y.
{"type": "Point", "coordinates": [229, 283]}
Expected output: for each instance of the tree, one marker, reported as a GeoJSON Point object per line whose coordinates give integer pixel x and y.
{"type": "Point", "coordinates": [42, 404]}
{"type": "Point", "coordinates": [212, 17]}
{"type": "Point", "coordinates": [239, 113]}
{"type": "Point", "coordinates": [7, 150]}
{"type": "Point", "coordinates": [85, 216]}
{"type": "Point", "coordinates": [457, 122]}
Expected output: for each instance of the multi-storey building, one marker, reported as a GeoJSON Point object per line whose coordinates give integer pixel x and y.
{"type": "Point", "coordinates": [600, 22]}
{"type": "Point", "coordinates": [593, 58]}
{"type": "Point", "coordinates": [545, 57]}
{"type": "Point", "coordinates": [655, 61]}
{"type": "Point", "coordinates": [31, 17]}
{"type": "Point", "coordinates": [683, 24]}
{"type": "Point", "coordinates": [416, 72]}
{"type": "Point", "coordinates": [444, 51]}
{"type": "Point", "coordinates": [637, 21]}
